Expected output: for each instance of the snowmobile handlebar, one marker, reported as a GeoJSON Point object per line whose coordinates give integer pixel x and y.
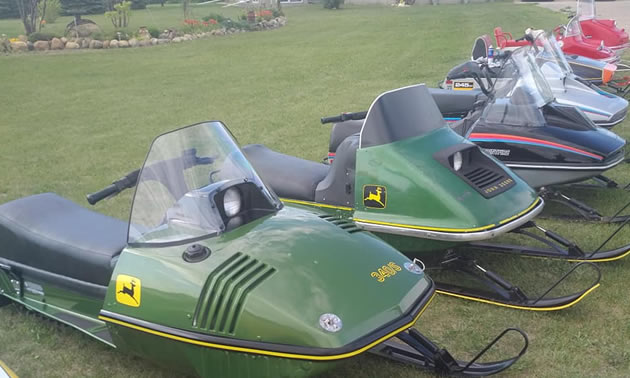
{"type": "Point", "coordinates": [188, 159]}
{"type": "Point", "coordinates": [126, 182]}
{"type": "Point", "coordinates": [344, 117]}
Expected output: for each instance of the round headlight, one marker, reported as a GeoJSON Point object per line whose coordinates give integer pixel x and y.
{"type": "Point", "coordinates": [457, 161]}
{"type": "Point", "coordinates": [232, 202]}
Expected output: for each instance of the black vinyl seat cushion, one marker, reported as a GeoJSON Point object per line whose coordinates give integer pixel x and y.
{"type": "Point", "coordinates": [288, 176]}
{"type": "Point", "coordinates": [51, 233]}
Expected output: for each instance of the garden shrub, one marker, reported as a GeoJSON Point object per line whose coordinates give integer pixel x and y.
{"type": "Point", "coordinates": [155, 32]}
{"type": "Point", "coordinates": [42, 36]}
{"type": "Point", "coordinates": [277, 12]}
{"type": "Point", "coordinates": [332, 4]}
{"type": "Point", "coordinates": [215, 16]}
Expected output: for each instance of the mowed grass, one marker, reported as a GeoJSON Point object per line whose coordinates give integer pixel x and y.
{"type": "Point", "coordinates": [73, 122]}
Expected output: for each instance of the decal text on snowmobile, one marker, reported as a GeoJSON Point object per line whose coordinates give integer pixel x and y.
{"type": "Point", "coordinates": [386, 271]}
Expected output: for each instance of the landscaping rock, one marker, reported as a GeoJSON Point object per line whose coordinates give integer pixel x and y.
{"type": "Point", "coordinates": [154, 41]}
{"type": "Point", "coordinates": [187, 37]}
{"type": "Point", "coordinates": [144, 43]}
{"type": "Point", "coordinates": [30, 46]}
{"type": "Point", "coordinates": [143, 33]}
{"type": "Point", "coordinates": [19, 46]}
{"type": "Point", "coordinates": [22, 38]}
{"type": "Point", "coordinates": [85, 30]}
{"type": "Point", "coordinates": [106, 44]}
{"type": "Point", "coordinates": [85, 43]}
{"type": "Point", "coordinates": [123, 43]}
{"type": "Point", "coordinates": [56, 44]}
{"type": "Point", "coordinates": [163, 41]}
{"type": "Point", "coordinates": [113, 44]}
{"type": "Point", "coordinates": [133, 42]}
{"type": "Point", "coordinates": [70, 45]}
{"type": "Point", "coordinates": [41, 45]}
{"type": "Point", "coordinates": [64, 40]}
{"type": "Point", "coordinates": [95, 44]}
{"type": "Point", "coordinates": [167, 34]}
{"type": "Point", "coordinates": [177, 40]}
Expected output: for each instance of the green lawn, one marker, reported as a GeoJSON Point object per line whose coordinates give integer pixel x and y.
{"type": "Point", "coordinates": [71, 122]}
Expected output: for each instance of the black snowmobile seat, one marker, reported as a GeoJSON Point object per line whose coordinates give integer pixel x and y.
{"type": "Point", "coordinates": [288, 176]}
{"type": "Point", "coordinates": [449, 101]}
{"type": "Point", "coordinates": [51, 233]}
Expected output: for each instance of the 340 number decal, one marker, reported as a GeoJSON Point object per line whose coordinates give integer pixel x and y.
{"type": "Point", "coordinates": [386, 271]}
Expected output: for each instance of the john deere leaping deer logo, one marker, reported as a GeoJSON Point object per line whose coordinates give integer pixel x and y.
{"type": "Point", "coordinates": [128, 290]}
{"type": "Point", "coordinates": [375, 196]}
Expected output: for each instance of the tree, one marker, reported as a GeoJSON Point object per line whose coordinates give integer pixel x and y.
{"type": "Point", "coordinates": [8, 9]}
{"type": "Point", "coordinates": [138, 4]}
{"type": "Point", "coordinates": [77, 8]}
{"type": "Point", "coordinates": [28, 14]}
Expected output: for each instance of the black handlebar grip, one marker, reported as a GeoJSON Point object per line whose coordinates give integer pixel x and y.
{"type": "Point", "coordinates": [355, 116]}
{"type": "Point", "coordinates": [345, 117]}
{"type": "Point", "coordinates": [332, 119]}
{"type": "Point", "coordinates": [93, 198]}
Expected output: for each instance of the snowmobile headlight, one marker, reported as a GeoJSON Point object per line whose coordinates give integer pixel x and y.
{"type": "Point", "coordinates": [232, 202]}
{"type": "Point", "coordinates": [330, 322]}
{"type": "Point", "coordinates": [458, 160]}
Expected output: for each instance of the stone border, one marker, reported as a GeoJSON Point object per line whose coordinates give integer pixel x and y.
{"type": "Point", "coordinates": [168, 37]}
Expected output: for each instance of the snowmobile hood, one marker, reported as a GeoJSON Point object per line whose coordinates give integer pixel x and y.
{"type": "Point", "coordinates": [605, 109]}
{"type": "Point", "coordinates": [402, 191]}
{"type": "Point", "coordinates": [277, 286]}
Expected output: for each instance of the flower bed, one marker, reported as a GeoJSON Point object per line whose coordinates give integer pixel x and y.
{"type": "Point", "coordinates": [191, 29]}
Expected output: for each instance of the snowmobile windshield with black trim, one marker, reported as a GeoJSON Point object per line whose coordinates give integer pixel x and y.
{"type": "Point", "coordinates": [400, 114]}
{"type": "Point", "coordinates": [196, 183]}
{"type": "Point", "coordinates": [548, 51]}
{"type": "Point", "coordinates": [519, 92]}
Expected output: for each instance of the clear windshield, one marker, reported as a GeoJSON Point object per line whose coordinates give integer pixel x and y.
{"type": "Point", "coordinates": [184, 173]}
{"type": "Point", "coordinates": [519, 92]}
{"type": "Point", "coordinates": [574, 29]}
{"type": "Point", "coordinates": [548, 51]}
{"type": "Point", "coordinates": [400, 114]}
{"type": "Point", "coordinates": [585, 9]}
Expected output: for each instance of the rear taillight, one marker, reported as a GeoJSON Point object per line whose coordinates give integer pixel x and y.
{"type": "Point", "coordinates": [608, 72]}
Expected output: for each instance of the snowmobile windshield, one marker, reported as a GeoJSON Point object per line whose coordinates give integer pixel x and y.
{"type": "Point", "coordinates": [400, 114]}
{"type": "Point", "coordinates": [574, 29]}
{"type": "Point", "coordinates": [548, 51]}
{"type": "Point", "coordinates": [519, 92]}
{"type": "Point", "coordinates": [194, 182]}
{"type": "Point", "coordinates": [585, 9]}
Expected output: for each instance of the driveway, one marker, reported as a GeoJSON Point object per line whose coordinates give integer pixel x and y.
{"type": "Point", "coordinates": [618, 10]}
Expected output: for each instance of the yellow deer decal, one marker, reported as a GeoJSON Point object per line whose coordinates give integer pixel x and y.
{"type": "Point", "coordinates": [376, 197]}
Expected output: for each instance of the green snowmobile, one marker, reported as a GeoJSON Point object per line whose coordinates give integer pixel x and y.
{"type": "Point", "coordinates": [213, 275]}
{"type": "Point", "coordinates": [422, 188]}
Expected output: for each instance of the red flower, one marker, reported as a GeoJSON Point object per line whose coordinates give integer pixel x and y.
{"type": "Point", "coordinates": [213, 21]}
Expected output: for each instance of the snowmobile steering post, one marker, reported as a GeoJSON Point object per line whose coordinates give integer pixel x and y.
{"type": "Point", "coordinates": [416, 349]}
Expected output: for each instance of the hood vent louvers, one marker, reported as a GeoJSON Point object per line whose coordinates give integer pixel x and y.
{"type": "Point", "coordinates": [482, 177]}
{"type": "Point", "coordinates": [224, 293]}
{"type": "Point", "coordinates": [344, 224]}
